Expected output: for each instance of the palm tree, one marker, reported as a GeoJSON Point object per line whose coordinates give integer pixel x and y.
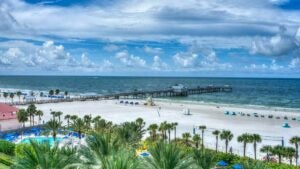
{"type": "Point", "coordinates": [45, 156]}
{"type": "Point", "coordinates": [19, 93]}
{"type": "Point", "coordinates": [79, 126]}
{"type": "Point", "coordinates": [295, 141]}
{"type": "Point", "coordinates": [31, 111]}
{"type": "Point", "coordinates": [51, 92]}
{"type": "Point", "coordinates": [244, 138]}
{"type": "Point", "coordinates": [22, 117]}
{"type": "Point", "coordinates": [58, 114]}
{"type": "Point", "coordinates": [202, 128]}
{"type": "Point", "coordinates": [203, 159]}
{"type": "Point", "coordinates": [66, 93]}
{"type": "Point", "coordinates": [12, 95]}
{"type": "Point", "coordinates": [186, 137]}
{"type": "Point", "coordinates": [289, 152]}
{"type": "Point", "coordinates": [39, 113]}
{"type": "Point", "coordinates": [53, 113]}
{"type": "Point", "coordinates": [163, 128]}
{"type": "Point", "coordinates": [279, 151]}
{"type": "Point", "coordinates": [73, 118]}
{"type": "Point", "coordinates": [67, 117]}
{"type": "Point", "coordinates": [267, 149]}
{"type": "Point", "coordinates": [87, 120]}
{"type": "Point", "coordinates": [57, 91]}
{"type": "Point", "coordinates": [153, 130]}
{"type": "Point", "coordinates": [196, 138]}
{"type": "Point", "coordinates": [255, 138]}
{"type": "Point", "coordinates": [53, 126]}
{"type": "Point", "coordinates": [227, 136]}
{"type": "Point", "coordinates": [5, 95]}
{"type": "Point", "coordinates": [175, 124]}
{"type": "Point", "coordinates": [167, 156]}
{"type": "Point", "coordinates": [216, 133]}
{"type": "Point", "coordinates": [169, 127]}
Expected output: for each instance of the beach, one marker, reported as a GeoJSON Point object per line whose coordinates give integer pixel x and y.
{"type": "Point", "coordinates": [212, 116]}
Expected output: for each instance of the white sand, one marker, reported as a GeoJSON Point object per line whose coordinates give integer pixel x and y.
{"type": "Point", "coordinates": [209, 115]}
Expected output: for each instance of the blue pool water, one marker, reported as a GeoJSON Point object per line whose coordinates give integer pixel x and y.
{"type": "Point", "coordinates": [49, 140]}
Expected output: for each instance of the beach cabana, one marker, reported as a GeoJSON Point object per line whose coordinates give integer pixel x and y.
{"type": "Point", "coordinates": [226, 113]}
{"type": "Point", "coordinates": [237, 166]}
{"type": "Point", "coordinates": [222, 164]}
{"type": "Point", "coordinates": [286, 125]}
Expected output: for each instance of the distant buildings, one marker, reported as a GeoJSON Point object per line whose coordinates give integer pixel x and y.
{"type": "Point", "coordinates": [8, 117]}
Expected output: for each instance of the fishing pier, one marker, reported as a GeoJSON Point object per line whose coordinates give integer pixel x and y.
{"type": "Point", "coordinates": [174, 91]}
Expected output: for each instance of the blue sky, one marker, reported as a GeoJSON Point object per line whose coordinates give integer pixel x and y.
{"type": "Point", "coordinates": [232, 38]}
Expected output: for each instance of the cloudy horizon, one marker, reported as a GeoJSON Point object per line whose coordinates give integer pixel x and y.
{"type": "Point", "coordinates": [232, 38]}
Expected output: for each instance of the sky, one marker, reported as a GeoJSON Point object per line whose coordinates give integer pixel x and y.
{"type": "Point", "coordinates": [215, 38]}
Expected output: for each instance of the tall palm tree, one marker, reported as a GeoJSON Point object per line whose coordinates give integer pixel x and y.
{"type": "Point", "coordinates": [204, 159]}
{"type": "Point", "coordinates": [79, 126]}
{"type": "Point", "coordinates": [245, 139]}
{"type": "Point", "coordinates": [31, 111]}
{"type": "Point", "coordinates": [5, 95]}
{"type": "Point", "coordinates": [202, 128]}
{"type": "Point", "coordinates": [66, 93]}
{"type": "Point", "coordinates": [216, 133]}
{"type": "Point", "coordinates": [12, 95]}
{"type": "Point", "coordinates": [58, 114]}
{"type": "Point", "coordinates": [53, 113]}
{"type": "Point", "coordinates": [73, 118]}
{"type": "Point", "coordinates": [51, 92]}
{"type": "Point", "coordinates": [227, 136]}
{"type": "Point", "coordinates": [279, 151]}
{"type": "Point", "coordinates": [196, 138]}
{"type": "Point", "coordinates": [19, 93]}
{"type": "Point", "coordinates": [53, 126]}
{"type": "Point", "coordinates": [255, 138]}
{"type": "Point", "coordinates": [163, 130]}
{"type": "Point", "coordinates": [153, 130]}
{"type": "Point", "coordinates": [186, 137]}
{"type": "Point", "coordinates": [45, 156]}
{"type": "Point", "coordinates": [175, 124]}
{"type": "Point", "coordinates": [67, 117]}
{"type": "Point", "coordinates": [169, 127]}
{"type": "Point", "coordinates": [295, 141]}
{"type": "Point", "coordinates": [267, 149]}
{"type": "Point", "coordinates": [289, 153]}
{"type": "Point", "coordinates": [167, 156]}
{"type": "Point", "coordinates": [57, 91]}
{"type": "Point", "coordinates": [39, 113]}
{"type": "Point", "coordinates": [22, 117]}
{"type": "Point", "coordinates": [87, 120]}
{"type": "Point", "coordinates": [141, 123]}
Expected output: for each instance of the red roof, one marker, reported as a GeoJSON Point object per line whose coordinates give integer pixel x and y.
{"type": "Point", "coordinates": [4, 108]}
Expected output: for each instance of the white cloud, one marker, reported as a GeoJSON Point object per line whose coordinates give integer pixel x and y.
{"type": "Point", "coordinates": [272, 67]}
{"type": "Point", "coordinates": [154, 51]}
{"type": "Point", "coordinates": [111, 48]}
{"type": "Point", "coordinates": [278, 45]}
{"type": "Point", "coordinates": [158, 64]}
{"type": "Point", "coordinates": [130, 60]}
{"type": "Point", "coordinates": [186, 60]}
{"type": "Point", "coordinates": [295, 63]}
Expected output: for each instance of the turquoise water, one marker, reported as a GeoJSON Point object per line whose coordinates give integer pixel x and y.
{"type": "Point", "coordinates": [49, 140]}
{"type": "Point", "coordinates": [269, 92]}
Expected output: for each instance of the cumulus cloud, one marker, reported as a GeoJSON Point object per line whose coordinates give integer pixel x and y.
{"type": "Point", "coordinates": [130, 60]}
{"type": "Point", "coordinates": [207, 61]}
{"type": "Point", "coordinates": [154, 51]}
{"type": "Point", "coordinates": [158, 64]}
{"type": "Point", "coordinates": [295, 63]}
{"type": "Point", "coordinates": [272, 67]}
{"type": "Point", "coordinates": [278, 45]}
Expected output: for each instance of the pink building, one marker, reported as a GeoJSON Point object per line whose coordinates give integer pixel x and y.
{"type": "Point", "coordinates": [8, 117]}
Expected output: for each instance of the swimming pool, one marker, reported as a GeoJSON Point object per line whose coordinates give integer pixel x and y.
{"type": "Point", "coordinates": [49, 140]}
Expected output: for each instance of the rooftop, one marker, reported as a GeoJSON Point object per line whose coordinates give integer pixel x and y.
{"type": "Point", "coordinates": [5, 108]}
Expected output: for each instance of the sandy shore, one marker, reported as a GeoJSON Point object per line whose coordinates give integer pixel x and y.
{"type": "Point", "coordinates": [211, 116]}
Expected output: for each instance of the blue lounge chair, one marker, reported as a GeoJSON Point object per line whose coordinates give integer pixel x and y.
{"type": "Point", "coordinates": [237, 166]}
{"type": "Point", "coordinates": [222, 164]}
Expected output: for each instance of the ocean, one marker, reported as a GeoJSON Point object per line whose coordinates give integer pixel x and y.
{"type": "Point", "coordinates": [281, 93]}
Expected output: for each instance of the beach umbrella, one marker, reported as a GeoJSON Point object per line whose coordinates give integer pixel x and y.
{"type": "Point", "coordinates": [222, 163]}
{"type": "Point", "coordinates": [237, 166]}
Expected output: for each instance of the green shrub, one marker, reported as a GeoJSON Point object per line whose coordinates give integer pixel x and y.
{"type": "Point", "coordinates": [6, 160]}
{"type": "Point", "coordinates": [281, 166]}
{"type": "Point", "coordinates": [7, 147]}
{"type": "Point", "coordinates": [19, 150]}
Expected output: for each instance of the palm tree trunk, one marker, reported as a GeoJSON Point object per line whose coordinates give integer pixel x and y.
{"type": "Point", "coordinates": [169, 132]}
{"type": "Point", "coordinates": [254, 146]}
{"type": "Point", "coordinates": [279, 158]}
{"type": "Point", "coordinates": [245, 145]}
{"type": "Point", "coordinates": [226, 146]}
{"type": "Point", "coordinates": [297, 155]}
{"type": "Point", "coordinates": [175, 133]}
{"type": "Point", "coordinates": [217, 142]}
{"type": "Point", "coordinates": [202, 142]}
